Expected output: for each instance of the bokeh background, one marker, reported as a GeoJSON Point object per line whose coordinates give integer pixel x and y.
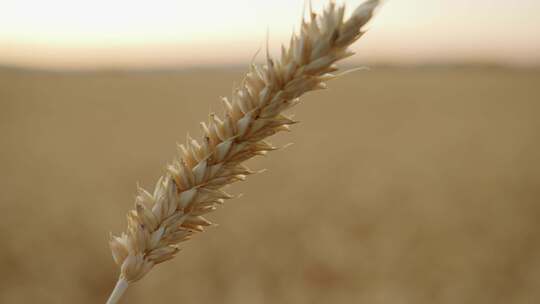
{"type": "Point", "coordinates": [417, 181]}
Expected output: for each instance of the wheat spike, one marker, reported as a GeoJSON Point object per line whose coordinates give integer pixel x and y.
{"type": "Point", "coordinates": [192, 186]}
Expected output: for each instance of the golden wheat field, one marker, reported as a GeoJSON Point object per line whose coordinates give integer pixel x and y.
{"type": "Point", "coordinates": [404, 185]}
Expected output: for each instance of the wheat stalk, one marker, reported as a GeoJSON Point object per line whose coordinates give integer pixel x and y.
{"type": "Point", "coordinates": [191, 188]}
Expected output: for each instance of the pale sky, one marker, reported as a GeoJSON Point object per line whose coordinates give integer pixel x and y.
{"type": "Point", "coordinates": [62, 34]}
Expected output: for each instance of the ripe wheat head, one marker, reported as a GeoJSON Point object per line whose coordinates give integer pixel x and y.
{"type": "Point", "coordinates": [192, 186]}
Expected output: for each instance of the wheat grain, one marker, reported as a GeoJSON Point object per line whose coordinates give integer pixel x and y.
{"type": "Point", "coordinates": [192, 187]}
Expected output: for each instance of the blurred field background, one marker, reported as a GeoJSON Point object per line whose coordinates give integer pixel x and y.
{"type": "Point", "coordinates": [416, 182]}
{"type": "Point", "coordinates": [404, 185]}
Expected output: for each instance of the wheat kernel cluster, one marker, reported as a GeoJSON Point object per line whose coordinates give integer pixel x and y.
{"type": "Point", "coordinates": [192, 186]}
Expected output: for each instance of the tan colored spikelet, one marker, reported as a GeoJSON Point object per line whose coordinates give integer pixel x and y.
{"type": "Point", "coordinates": [192, 186]}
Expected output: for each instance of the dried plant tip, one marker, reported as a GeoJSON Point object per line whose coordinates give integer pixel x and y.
{"type": "Point", "coordinates": [192, 186]}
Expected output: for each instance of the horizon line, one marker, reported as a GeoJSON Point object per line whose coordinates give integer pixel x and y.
{"type": "Point", "coordinates": [233, 66]}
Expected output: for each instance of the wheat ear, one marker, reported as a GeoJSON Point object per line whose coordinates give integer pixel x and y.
{"type": "Point", "coordinates": [191, 188]}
